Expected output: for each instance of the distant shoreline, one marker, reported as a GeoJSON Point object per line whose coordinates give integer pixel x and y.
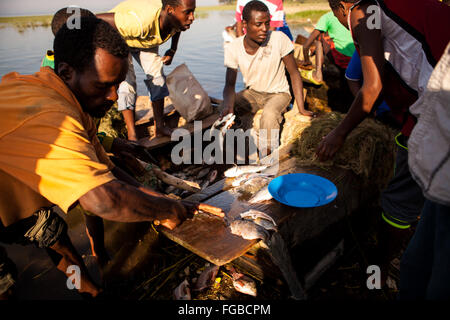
{"type": "Point", "coordinates": [296, 13]}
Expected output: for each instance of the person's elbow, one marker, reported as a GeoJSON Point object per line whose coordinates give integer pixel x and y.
{"type": "Point", "coordinates": [103, 200]}
{"type": "Point", "coordinates": [370, 93]}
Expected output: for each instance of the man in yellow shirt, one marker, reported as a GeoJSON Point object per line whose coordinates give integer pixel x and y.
{"type": "Point", "coordinates": [145, 25]}
{"type": "Point", "coordinates": [50, 154]}
{"type": "Point", "coordinates": [94, 225]}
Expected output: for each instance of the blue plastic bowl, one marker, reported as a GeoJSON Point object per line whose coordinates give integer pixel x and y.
{"type": "Point", "coordinates": [302, 190]}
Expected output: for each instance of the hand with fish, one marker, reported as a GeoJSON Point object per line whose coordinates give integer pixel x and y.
{"type": "Point", "coordinates": [226, 110]}
{"type": "Point", "coordinates": [186, 209]}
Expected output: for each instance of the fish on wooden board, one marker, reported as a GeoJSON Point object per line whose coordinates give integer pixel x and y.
{"type": "Point", "coordinates": [238, 170]}
{"type": "Point", "coordinates": [251, 178]}
{"type": "Point", "coordinates": [260, 218]}
{"type": "Point", "coordinates": [261, 195]}
{"type": "Point", "coordinates": [253, 186]}
{"type": "Point", "coordinates": [259, 178]}
{"type": "Point", "coordinates": [248, 230]}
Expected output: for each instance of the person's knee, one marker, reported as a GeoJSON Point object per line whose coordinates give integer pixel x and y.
{"type": "Point", "coordinates": [271, 119]}
{"type": "Point", "coordinates": [157, 88]}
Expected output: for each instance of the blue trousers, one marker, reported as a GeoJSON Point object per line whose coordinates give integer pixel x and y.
{"type": "Point", "coordinates": [425, 265]}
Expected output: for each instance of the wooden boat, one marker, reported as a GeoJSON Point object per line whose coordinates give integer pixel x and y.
{"type": "Point", "coordinates": [145, 124]}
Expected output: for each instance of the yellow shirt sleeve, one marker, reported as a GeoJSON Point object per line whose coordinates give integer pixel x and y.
{"type": "Point", "coordinates": [57, 156]}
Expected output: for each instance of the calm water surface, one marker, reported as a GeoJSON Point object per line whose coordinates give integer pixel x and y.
{"type": "Point", "coordinates": [200, 48]}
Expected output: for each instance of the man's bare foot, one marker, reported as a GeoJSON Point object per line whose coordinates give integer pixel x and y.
{"type": "Point", "coordinates": [132, 137]}
{"type": "Point", "coordinates": [163, 131]}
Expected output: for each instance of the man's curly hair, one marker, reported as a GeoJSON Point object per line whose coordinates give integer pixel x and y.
{"type": "Point", "coordinates": [172, 3]}
{"type": "Point", "coordinates": [253, 5]}
{"type": "Point", "coordinates": [77, 46]}
{"type": "Point", "coordinates": [61, 16]}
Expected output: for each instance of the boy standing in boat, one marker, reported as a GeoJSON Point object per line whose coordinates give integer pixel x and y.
{"type": "Point", "coordinates": [145, 25]}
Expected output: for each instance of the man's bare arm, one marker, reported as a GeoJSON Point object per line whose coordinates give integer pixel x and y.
{"type": "Point", "coordinates": [128, 117]}
{"type": "Point", "coordinates": [174, 43]}
{"type": "Point", "coordinates": [297, 83]}
{"type": "Point", "coordinates": [229, 94]}
{"type": "Point", "coordinates": [119, 201]}
{"type": "Point", "coordinates": [168, 56]}
{"type": "Point", "coordinates": [312, 37]}
{"type": "Point", "coordinates": [372, 61]}
{"type": "Point", "coordinates": [354, 86]}
{"type": "Point", "coordinates": [239, 29]}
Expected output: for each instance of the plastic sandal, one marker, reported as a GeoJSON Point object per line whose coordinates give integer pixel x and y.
{"type": "Point", "coordinates": [307, 75]}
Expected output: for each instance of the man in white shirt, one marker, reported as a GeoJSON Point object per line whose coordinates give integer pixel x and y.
{"type": "Point", "coordinates": [262, 56]}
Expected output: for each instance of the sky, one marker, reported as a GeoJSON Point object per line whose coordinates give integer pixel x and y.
{"type": "Point", "coordinates": [37, 7]}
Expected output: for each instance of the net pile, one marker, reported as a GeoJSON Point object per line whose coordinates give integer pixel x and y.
{"type": "Point", "coordinates": [369, 150]}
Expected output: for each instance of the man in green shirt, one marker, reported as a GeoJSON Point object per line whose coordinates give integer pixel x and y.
{"type": "Point", "coordinates": [336, 41]}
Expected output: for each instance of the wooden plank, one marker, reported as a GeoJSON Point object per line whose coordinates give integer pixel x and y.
{"type": "Point", "coordinates": [300, 39]}
{"type": "Point", "coordinates": [208, 236]}
{"type": "Point", "coordinates": [144, 111]}
{"type": "Point", "coordinates": [160, 141]}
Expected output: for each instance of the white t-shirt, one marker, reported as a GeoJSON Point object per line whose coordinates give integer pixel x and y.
{"type": "Point", "coordinates": [264, 71]}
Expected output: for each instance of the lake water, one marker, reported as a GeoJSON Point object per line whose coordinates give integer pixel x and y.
{"type": "Point", "coordinates": [200, 48]}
